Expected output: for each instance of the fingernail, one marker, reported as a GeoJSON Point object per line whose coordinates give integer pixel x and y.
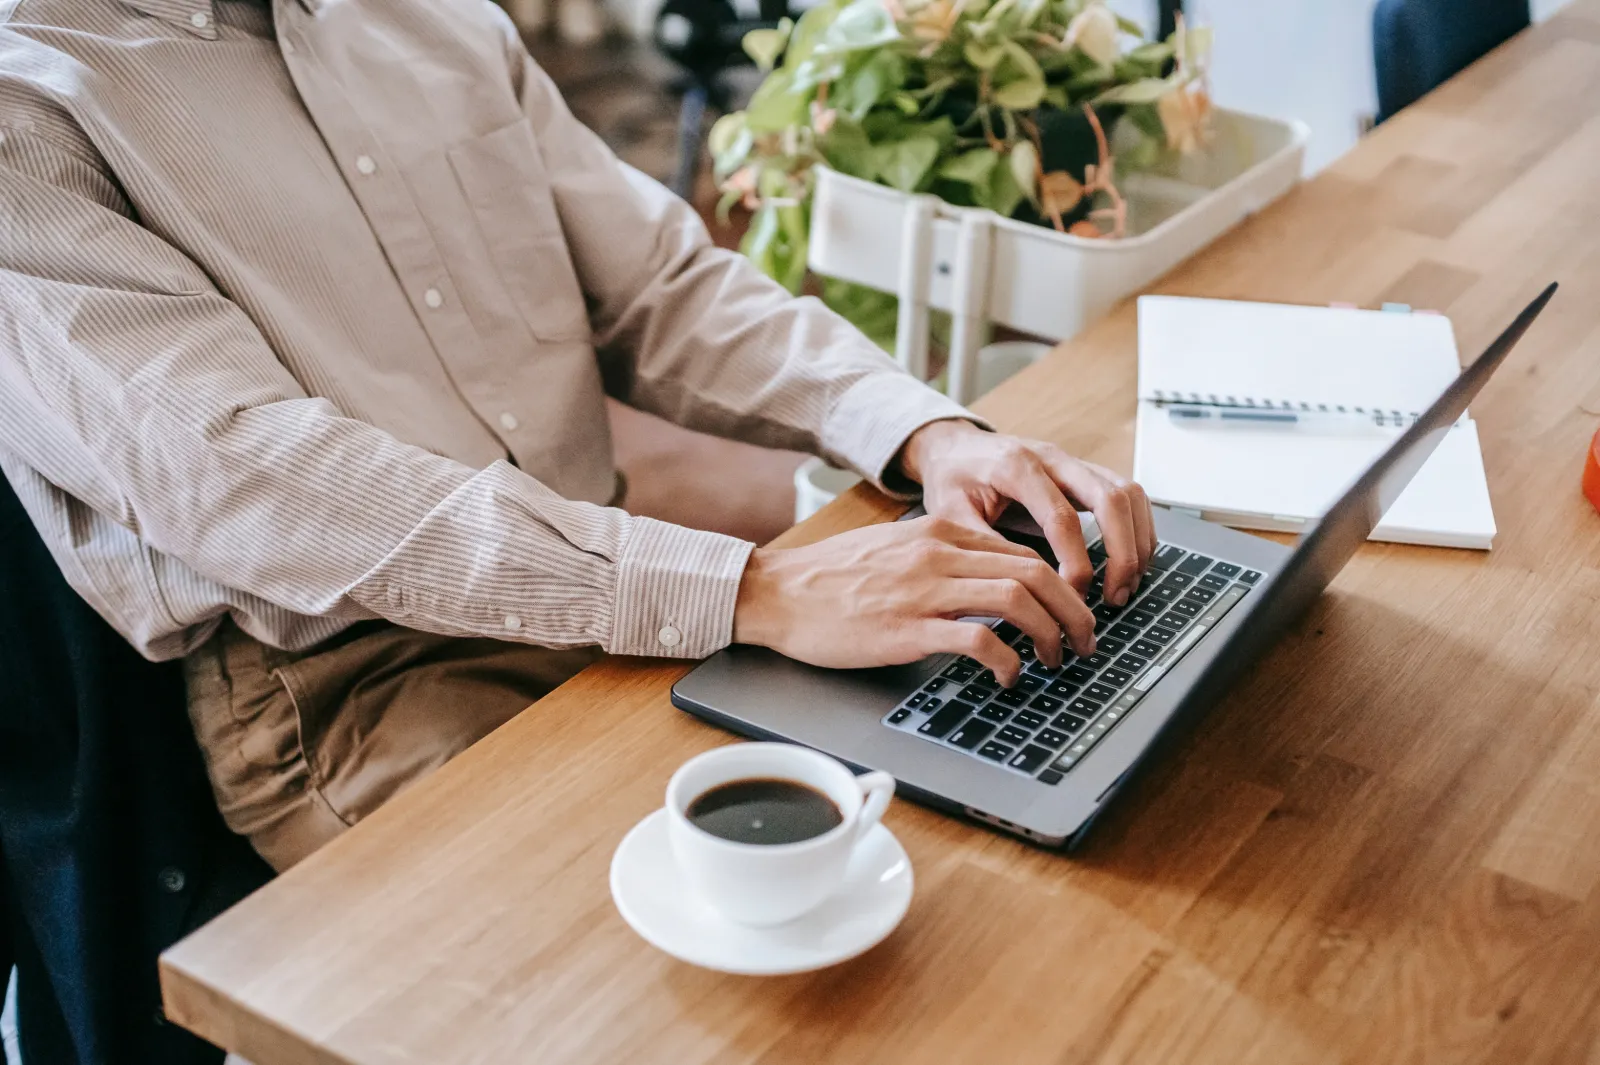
{"type": "Point", "coordinates": [1117, 596]}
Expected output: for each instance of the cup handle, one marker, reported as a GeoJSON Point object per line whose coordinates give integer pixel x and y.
{"type": "Point", "coordinates": [877, 788]}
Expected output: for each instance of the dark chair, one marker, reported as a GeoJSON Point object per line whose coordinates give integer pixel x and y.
{"type": "Point", "coordinates": [1418, 45]}
{"type": "Point", "coordinates": [111, 847]}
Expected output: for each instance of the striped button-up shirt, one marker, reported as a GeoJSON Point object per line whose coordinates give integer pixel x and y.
{"type": "Point", "coordinates": [307, 314]}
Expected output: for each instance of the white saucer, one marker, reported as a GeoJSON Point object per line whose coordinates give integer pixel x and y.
{"type": "Point", "coordinates": [656, 902]}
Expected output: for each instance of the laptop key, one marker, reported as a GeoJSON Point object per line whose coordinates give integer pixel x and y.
{"type": "Point", "coordinates": [1084, 707]}
{"type": "Point", "coordinates": [1157, 634]}
{"type": "Point", "coordinates": [1029, 684]}
{"type": "Point", "coordinates": [1171, 620]}
{"type": "Point", "coordinates": [1078, 674]}
{"type": "Point", "coordinates": [1029, 719]}
{"type": "Point", "coordinates": [975, 693]}
{"type": "Point", "coordinates": [1097, 553]}
{"type": "Point", "coordinates": [1194, 565]}
{"type": "Point", "coordinates": [1007, 631]}
{"type": "Point", "coordinates": [1166, 557]}
{"type": "Point", "coordinates": [1045, 704]}
{"type": "Point", "coordinates": [1164, 593]}
{"type": "Point", "coordinates": [1110, 645]}
{"type": "Point", "coordinates": [1062, 689]}
{"type": "Point", "coordinates": [1186, 607]}
{"type": "Point", "coordinates": [934, 685]}
{"type": "Point", "coordinates": [1250, 576]}
{"type": "Point", "coordinates": [1030, 758]}
{"type": "Point", "coordinates": [1012, 698]}
{"type": "Point", "coordinates": [948, 717]}
{"type": "Point", "coordinates": [1213, 581]}
{"type": "Point", "coordinates": [1200, 595]}
{"type": "Point", "coordinates": [996, 713]}
{"type": "Point", "coordinates": [1100, 693]}
{"type": "Point", "coordinates": [1144, 648]}
{"type": "Point", "coordinates": [1178, 580]}
{"type": "Point", "coordinates": [1124, 631]}
{"type": "Point", "coordinates": [1049, 737]}
{"type": "Point", "coordinates": [1226, 569]}
{"type": "Point", "coordinates": [971, 734]}
{"type": "Point", "coordinates": [1131, 663]}
{"type": "Point", "coordinates": [1105, 612]}
{"type": "Point", "coordinates": [899, 716]}
{"type": "Point", "coordinates": [916, 700]}
{"type": "Point", "coordinates": [1098, 660]}
{"type": "Point", "coordinates": [1068, 723]}
{"type": "Point", "coordinates": [997, 752]}
{"type": "Point", "coordinates": [1051, 776]}
{"type": "Point", "coordinates": [1116, 678]}
{"type": "Point", "coordinates": [960, 673]}
{"type": "Point", "coordinates": [1140, 618]}
{"type": "Point", "coordinates": [1012, 734]}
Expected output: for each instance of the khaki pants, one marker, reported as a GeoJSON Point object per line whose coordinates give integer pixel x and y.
{"type": "Point", "coordinates": [302, 745]}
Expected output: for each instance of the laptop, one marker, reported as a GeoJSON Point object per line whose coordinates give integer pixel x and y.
{"type": "Point", "coordinates": [1040, 760]}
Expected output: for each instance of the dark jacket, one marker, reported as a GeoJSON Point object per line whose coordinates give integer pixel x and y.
{"type": "Point", "coordinates": [111, 847]}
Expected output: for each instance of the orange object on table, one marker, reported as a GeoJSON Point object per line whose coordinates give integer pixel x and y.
{"type": "Point", "coordinates": [1591, 473]}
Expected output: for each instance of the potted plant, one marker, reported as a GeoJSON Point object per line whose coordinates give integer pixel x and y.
{"type": "Point", "coordinates": [1010, 105]}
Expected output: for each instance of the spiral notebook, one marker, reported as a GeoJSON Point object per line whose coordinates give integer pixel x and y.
{"type": "Point", "coordinates": [1374, 370]}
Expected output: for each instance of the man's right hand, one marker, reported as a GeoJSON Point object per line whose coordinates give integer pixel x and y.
{"type": "Point", "coordinates": [889, 594]}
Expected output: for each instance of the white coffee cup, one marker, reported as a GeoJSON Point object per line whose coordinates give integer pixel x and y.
{"type": "Point", "coordinates": [763, 884]}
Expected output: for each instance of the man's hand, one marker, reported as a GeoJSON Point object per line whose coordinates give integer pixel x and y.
{"type": "Point", "coordinates": [969, 476]}
{"type": "Point", "coordinates": [889, 594]}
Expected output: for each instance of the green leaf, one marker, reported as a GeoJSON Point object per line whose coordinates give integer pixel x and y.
{"type": "Point", "coordinates": [847, 149]}
{"type": "Point", "coordinates": [1019, 83]}
{"type": "Point", "coordinates": [1092, 78]}
{"type": "Point", "coordinates": [874, 313]}
{"type": "Point", "coordinates": [1147, 120]}
{"type": "Point", "coordinates": [861, 89]}
{"type": "Point", "coordinates": [725, 205]}
{"type": "Point", "coordinates": [765, 46]}
{"type": "Point", "coordinates": [1024, 162]}
{"type": "Point", "coordinates": [1000, 194]}
{"type": "Point", "coordinates": [972, 168]}
{"type": "Point", "coordinates": [1144, 91]}
{"type": "Point", "coordinates": [1056, 96]}
{"type": "Point", "coordinates": [1156, 52]}
{"type": "Point", "coordinates": [861, 24]}
{"type": "Point", "coordinates": [808, 32]}
{"type": "Point", "coordinates": [1127, 25]}
{"type": "Point", "coordinates": [905, 164]}
{"type": "Point", "coordinates": [776, 106]}
{"type": "Point", "coordinates": [725, 131]}
{"type": "Point", "coordinates": [983, 56]}
{"type": "Point", "coordinates": [733, 156]}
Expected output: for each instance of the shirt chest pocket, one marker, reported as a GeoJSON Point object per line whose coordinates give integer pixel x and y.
{"type": "Point", "coordinates": [503, 178]}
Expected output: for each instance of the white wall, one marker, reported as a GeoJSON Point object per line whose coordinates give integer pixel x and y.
{"type": "Point", "coordinates": [1305, 59]}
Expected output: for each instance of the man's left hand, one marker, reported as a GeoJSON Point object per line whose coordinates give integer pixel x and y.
{"type": "Point", "coordinates": [970, 476]}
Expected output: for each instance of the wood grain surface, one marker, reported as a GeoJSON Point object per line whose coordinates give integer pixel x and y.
{"type": "Point", "coordinates": [1383, 846]}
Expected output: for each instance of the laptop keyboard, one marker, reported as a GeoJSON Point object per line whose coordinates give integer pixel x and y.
{"type": "Point", "coordinates": [1048, 722]}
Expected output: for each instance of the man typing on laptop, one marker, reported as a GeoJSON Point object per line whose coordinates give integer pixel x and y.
{"type": "Point", "coordinates": [309, 308]}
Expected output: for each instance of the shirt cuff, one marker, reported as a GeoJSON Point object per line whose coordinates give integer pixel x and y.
{"type": "Point", "coordinates": [676, 590]}
{"type": "Point", "coordinates": [873, 420]}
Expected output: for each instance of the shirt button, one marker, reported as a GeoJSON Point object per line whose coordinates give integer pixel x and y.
{"type": "Point", "coordinates": [508, 422]}
{"type": "Point", "coordinates": [669, 636]}
{"type": "Point", "coordinates": [513, 622]}
{"type": "Point", "coordinates": [199, 20]}
{"type": "Point", "coordinates": [288, 47]}
{"type": "Point", "coordinates": [172, 880]}
{"type": "Point", "coordinates": [365, 164]}
{"type": "Point", "coordinates": [433, 298]}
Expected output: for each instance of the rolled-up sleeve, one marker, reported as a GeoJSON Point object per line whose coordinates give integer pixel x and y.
{"type": "Point", "coordinates": [695, 333]}
{"type": "Point", "coordinates": [128, 381]}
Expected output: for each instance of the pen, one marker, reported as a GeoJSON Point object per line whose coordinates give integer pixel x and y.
{"type": "Point", "coordinates": [1201, 416]}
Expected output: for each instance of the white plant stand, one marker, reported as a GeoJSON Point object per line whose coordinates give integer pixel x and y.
{"type": "Point", "coordinates": [982, 268]}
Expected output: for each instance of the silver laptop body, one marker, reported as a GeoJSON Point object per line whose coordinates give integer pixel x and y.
{"type": "Point", "coordinates": [1042, 763]}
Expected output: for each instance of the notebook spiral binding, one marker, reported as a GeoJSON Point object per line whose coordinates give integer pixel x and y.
{"type": "Point", "coordinates": [1387, 418]}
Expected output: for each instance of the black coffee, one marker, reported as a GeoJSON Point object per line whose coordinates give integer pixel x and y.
{"type": "Point", "coordinates": [764, 811]}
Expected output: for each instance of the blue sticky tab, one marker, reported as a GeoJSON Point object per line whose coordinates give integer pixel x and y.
{"type": "Point", "coordinates": [1398, 308]}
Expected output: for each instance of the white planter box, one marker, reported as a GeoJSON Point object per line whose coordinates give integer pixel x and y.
{"type": "Point", "coordinates": [979, 266]}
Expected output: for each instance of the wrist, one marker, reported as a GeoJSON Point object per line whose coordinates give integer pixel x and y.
{"type": "Point", "coordinates": [924, 447]}
{"type": "Point", "coordinates": [757, 611]}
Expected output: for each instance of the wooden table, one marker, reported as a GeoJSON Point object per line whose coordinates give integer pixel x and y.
{"type": "Point", "coordinates": [1383, 846]}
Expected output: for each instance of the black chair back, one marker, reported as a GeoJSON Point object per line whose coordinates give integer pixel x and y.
{"type": "Point", "coordinates": [1418, 45]}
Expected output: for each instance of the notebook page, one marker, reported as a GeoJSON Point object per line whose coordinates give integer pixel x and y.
{"type": "Point", "coordinates": [1279, 352]}
{"type": "Point", "coordinates": [1277, 472]}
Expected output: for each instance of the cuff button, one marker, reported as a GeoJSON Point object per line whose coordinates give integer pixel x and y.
{"type": "Point", "coordinates": [513, 622]}
{"type": "Point", "coordinates": [669, 636]}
